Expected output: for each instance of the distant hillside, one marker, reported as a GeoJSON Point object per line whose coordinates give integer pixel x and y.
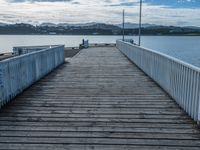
{"type": "Point", "coordinates": [95, 29]}
{"type": "Point", "coordinates": [135, 25]}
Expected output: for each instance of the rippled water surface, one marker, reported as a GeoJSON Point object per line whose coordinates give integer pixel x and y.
{"type": "Point", "coordinates": [186, 48]}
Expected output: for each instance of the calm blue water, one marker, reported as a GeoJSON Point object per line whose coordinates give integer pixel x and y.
{"type": "Point", "coordinates": [186, 48]}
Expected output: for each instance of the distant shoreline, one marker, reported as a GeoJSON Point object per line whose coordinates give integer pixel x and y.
{"type": "Point", "coordinates": [101, 35]}
{"type": "Point", "coordinates": [97, 30]}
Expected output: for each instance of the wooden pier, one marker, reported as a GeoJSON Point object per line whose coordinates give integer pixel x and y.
{"type": "Point", "coordinates": [99, 100]}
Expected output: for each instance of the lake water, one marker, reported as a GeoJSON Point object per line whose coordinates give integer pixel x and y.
{"type": "Point", "coordinates": [186, 48]}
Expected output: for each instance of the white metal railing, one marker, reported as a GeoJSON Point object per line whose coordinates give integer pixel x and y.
{"type": "Point", "coordinates": [18, 73]}
{"type": "Point", "coordinates": [20, 50]}
{"type": "Point", "coordinates": [179, 79]}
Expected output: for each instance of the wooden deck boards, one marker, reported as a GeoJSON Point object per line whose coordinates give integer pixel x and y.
{"type": "Point", "coordinates": [99, 100]}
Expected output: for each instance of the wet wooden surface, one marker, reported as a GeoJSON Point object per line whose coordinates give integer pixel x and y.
{"type": "Point", "coordinates": [99, 100]}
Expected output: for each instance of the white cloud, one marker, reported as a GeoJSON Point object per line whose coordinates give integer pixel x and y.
{"type": "Point", "coordinates": [77, 11]}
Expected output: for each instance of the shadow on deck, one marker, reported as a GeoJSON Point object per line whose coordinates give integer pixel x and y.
{"type": "Point", "coordinates": [99, 100]}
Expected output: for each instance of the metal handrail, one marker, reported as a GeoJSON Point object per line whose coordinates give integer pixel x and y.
{"type": "Point", "coordinates": [37, 46]}
{"type": "Point", "coordinates": [179, 79]}
{"type": "Point", "coordinates": [19, 72]}
{"type": "Point", "coordinates": [28, 49]}
{"type": "Point", "coordinates": [167, 56]}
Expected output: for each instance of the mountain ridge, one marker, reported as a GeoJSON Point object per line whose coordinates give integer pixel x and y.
{"type": "Point", "coordinates": [94, 28]}
{"type": "Point", "coordinates": [128, 25]}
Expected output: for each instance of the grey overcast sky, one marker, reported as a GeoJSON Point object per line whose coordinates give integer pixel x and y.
{"type": "Point", "coordinates": [164, 12]}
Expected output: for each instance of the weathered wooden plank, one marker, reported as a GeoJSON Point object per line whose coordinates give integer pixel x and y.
{"type": "Point", "coordinates": [86, 115]}
{"type": "Point", "coordinates": [101, 134]}
{"type": "Point", "coordinates": [93, 110]}
{"type": "Point", "coordinates": [103, 141]}
{"type": "Point", "coordinates": [99, 129]}
{"type": "Point", "coordinates": [89, 147]}
{"type": "Point", "coordinates": [99, 124]}
{"type": "Point", "coordinates": [134, 111]}
{"type": "Point", "coordinates": [97, 105]}
{"type": "Point", "coordinates": [94, 120]}
{"type": "Point", "coordinates": [89, 102]}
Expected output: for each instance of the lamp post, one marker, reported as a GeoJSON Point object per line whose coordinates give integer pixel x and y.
{"type": "Point", "coordinates": [140, 23]}
{"type": "Point", "coordinates": [123, 23]}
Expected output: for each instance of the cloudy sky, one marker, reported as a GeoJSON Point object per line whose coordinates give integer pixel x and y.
{"type": "Point", "coordinates": [164, 12]}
